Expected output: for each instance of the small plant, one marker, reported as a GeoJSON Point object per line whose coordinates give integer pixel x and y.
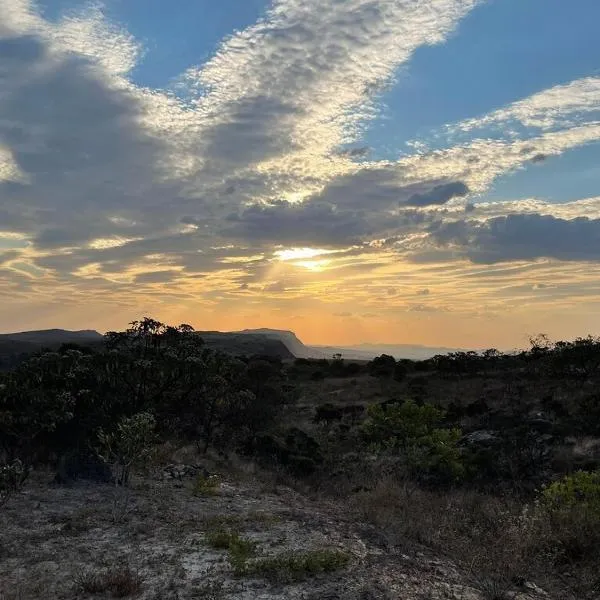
{"type": "Point", "coordinates": [221, 539]}
{"type": "Point", "coordinates": [206, 486]}
{"type": "Point", "coordinates": [240, 549]}
{"type": "Point", "coordinates": [121, 582]}
{"type": "Point", "coordinates": [578, 491]}
{"type": "Point", "coordinates": [493, 588]}
{"type": "Point", "coordinates": [12, 478]}
{"type": "Point", "coordinates": [129, 445]}
{"type": "Point", "coordinates": [292, 567]}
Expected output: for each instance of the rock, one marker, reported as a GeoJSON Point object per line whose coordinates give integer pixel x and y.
{"type": "Point", "coordinates": [532, 587]}
{"type": "Point", "coordinates": [481, 438]}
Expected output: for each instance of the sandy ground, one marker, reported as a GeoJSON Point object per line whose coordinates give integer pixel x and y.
{"type": "Point", "coordinates": [52, 537]}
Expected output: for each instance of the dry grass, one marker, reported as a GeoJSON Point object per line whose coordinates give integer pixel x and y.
{"type": "Point", "coordinates": [498, 542]}
{"type": "Point", "coordinates": [119, 582]}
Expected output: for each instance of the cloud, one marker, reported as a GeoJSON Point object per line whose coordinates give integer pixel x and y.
{"type": "Point", "coordinates": [440, 194]}
{"type": "Point", "coordinates": [156, 277]}
{"type": "Point", "coordinates": [559, 106]}
{"type": "Point", "coordinates": [311, 223]}
{"type": "Point", "coordinates": [522, 237]}
{"type": "Point", "coordinates": [107, 183]}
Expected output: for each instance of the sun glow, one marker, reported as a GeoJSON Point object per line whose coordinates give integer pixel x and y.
{"type": "Point", "coordinates": [296, 254]}
{"type": "Point", "coordinates": [312, 265]}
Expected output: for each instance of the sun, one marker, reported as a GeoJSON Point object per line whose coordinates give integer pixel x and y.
{"type": "Point", "coordinates": [307, 258]}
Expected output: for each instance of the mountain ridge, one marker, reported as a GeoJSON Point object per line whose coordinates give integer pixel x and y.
{"type": "Point", "coordinates": [282, 343]}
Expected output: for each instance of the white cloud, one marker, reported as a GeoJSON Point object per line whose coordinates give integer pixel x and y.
{"type": "Point", "coordinates": [111, 180]}
{"type": "Point", "coordinates": [479, 162]}
{"type": "Point", "coordinates": [562, 105]}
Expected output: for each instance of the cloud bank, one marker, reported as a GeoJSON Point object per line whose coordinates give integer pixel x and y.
{"type": "Point", "coordinates": [111, 189]}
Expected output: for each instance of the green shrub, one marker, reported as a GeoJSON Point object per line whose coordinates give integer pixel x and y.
{"type": "Point", "coordinates": [129, 445]}
{"type": "Point", "coordinates": [291, 567]}
{"type": "Point", "coordinates": [580, 490]}
{"type": "Point", "coordinates": [412, 432]}
{"type": "Point", "coordinates": [206, 486]}
{"type": "Point", "coordinates": [240, 549]}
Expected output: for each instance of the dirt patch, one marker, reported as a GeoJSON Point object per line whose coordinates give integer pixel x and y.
{"type": "Point", "coordinates": [61, 542]}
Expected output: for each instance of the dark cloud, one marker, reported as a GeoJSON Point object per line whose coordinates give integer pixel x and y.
{"type": "Point", "coordinates": [307, 223]}
{"type": "Point", "coordinates": [357, 152]}
{"type": "Point", "coordinates": [440, 194]}
{"type": "Point", "coordinates": [522, 237]}
{"type": "Point", "coordinates": [538, 158]}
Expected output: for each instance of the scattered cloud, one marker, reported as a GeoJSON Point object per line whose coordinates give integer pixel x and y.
{"type": "Point", "coordinates": [559, 106]}
{"type": "Point", "coordinates": [523, 237]}
{"type": "Point", "coordinates": [260, 151]}
{"type": "Point", "coordinates": [440, 194]}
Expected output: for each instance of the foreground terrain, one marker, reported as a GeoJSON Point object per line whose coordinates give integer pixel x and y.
{"type": "Point", "coordinates": [464, 476]}
{"type": "Point", "coordinates": [62, 542]}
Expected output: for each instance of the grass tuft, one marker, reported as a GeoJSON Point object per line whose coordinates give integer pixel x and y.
{"type": "Point", "coordinates": [290, 567]}
{"type": "Point", "coordinates": [119, 582]}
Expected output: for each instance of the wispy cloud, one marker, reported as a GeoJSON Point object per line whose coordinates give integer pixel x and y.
{"type": "Point", "coordinates": [109, 191]}
{"type": "Point", "coordinates": [559, 106]}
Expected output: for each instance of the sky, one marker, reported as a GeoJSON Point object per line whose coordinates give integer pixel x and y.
{"type": "Point", "coordinates": [390, 171]}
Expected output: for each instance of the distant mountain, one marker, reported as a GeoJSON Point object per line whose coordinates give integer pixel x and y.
{"type": "Point", "coordinates": [359, 352]}
{"type": "Point", "coordinates": [53, 336]}
{"type": "Point", "coordinates": [246, 343]}
{"type": "Point", "coordinates": [289, 338]}
{"type": "Point", "coordinates": [16, 347]}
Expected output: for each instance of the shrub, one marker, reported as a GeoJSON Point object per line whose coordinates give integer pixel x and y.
{"type": "Point", "coordinates": [129, 445]}
{"type": "Point", "coordinates": [291, 567]}
{"type": "Point", "coordinates": [206, 486]}
{"type": "Point", "coordinates": [12, 477]}
{"type": "Point", "coordinates": [411, 432]}
{"type": "Point", "coordinates": [580, 491]}
{"type": "Point", "coordinates": [240, 549]}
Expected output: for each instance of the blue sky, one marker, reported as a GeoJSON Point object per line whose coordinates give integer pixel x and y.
{"type": "Point", "coordinates": [503, 51]}
{"type": "Point", "coordinates": [249, 158]}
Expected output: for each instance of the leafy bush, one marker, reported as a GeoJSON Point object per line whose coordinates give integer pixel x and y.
{"type": "Point", "coordinates": [291, 567]}
{"type": "Point", "coordinates": [129, 445]}
{"type": "Point", "coordinates": [411, 432]}
{"type": "Point", "coordinates": [206, 486]}
{"type": "Point", "coordinates": [34, 399]}
{"type": "Point", "coordinates": [579, 491]}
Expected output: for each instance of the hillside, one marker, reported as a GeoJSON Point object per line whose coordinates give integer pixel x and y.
{"type": "Point", "coordinates": [246, 344]}
{"type": "Point", "coordinates": [15, 347]}
{"type": "Point", "coordinates": [358, 352]}
{"type": "Point", "coordinates": [268, 342]}
{"type": "Point", "coordinates": [289, 338]}
{"type": "Point", "coordinates": [467, 476]}
{"type": "Point", "coordinates": [52, 337]}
